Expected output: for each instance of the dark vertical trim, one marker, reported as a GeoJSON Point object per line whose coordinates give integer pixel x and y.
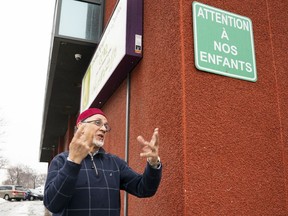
{"type": "Point", "coordinates": [127, 138]}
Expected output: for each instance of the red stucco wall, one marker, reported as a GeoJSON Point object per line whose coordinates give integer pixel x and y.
{"type": "Point", "coordinates": [223, 140]}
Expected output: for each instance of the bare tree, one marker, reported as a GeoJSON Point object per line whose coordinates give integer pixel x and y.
{"type": "Point", "coordinates": [24, 176]}
{"type": "Point", "coordinates": [21, 175]}
{"type": "Point", "coordinates": [3, 162]}
{"type": "Point", "coordinates": [41, 179]}
{"type": "Point", "coordinates": [28, 177]}
{"type": "Point", "coordinates": [13, 175]}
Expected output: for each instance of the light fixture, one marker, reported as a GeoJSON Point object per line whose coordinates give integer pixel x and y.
{"type": "Point", "coordinates": [78, 56]}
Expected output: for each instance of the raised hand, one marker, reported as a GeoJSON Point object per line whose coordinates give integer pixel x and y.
{"type": "Point", "coordinates": [81, 143]}
{"type": "Point", "coordinates": [150, 148]}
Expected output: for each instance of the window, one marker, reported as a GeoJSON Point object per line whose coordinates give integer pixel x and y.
{"type": "Point", "coordinates": [80, 19]}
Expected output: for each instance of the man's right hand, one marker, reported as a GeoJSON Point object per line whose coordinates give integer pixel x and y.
{"type": "Point", "coordinates": [81, 143]}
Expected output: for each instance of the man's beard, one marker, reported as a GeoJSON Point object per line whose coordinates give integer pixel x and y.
{"type": "Point", "coordinates": [98, 143]}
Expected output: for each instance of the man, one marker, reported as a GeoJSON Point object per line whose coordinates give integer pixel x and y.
{"type": "Point", "coordinates": [87, 180]}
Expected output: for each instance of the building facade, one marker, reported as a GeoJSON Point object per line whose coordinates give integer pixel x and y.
{"type": "Point", "coordinates": [223, 140]}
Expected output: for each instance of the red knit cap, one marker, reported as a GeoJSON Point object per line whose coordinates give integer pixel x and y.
{"type": "Point", "coordinates": [87, 113]}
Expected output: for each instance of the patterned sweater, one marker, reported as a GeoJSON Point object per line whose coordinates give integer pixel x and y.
{"type": "Point", "coordinates": [93, 187]}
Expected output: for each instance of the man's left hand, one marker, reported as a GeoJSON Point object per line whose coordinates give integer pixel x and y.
{"type": "Point", "coordinates": [150, 149]}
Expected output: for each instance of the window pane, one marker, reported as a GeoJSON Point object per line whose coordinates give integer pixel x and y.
{"type": "Point", "coordinates": [80, 20]}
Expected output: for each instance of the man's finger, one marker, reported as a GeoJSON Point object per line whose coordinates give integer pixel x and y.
{"type": "Point", "coordinates": [155, 137]}
{"type": "Point", "coordinates": [141, 140]}
{"type": "Point", "coordinates": [79, 132]}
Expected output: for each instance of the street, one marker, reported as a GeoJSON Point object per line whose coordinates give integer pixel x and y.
{"type": "Point", "coordinates": [23, 208]}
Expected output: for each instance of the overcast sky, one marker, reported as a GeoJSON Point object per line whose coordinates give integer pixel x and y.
{"type": "Point", "coordinates": [25, 37]}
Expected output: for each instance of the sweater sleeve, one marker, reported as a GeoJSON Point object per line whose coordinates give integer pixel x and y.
{"type": "Point", "coordinates": [140, 185]}
{"type": "Point", "coordinates": [60, 183]}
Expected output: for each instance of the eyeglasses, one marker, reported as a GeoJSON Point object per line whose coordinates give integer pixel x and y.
{"type": "Point", "coordinates": [99, 123]}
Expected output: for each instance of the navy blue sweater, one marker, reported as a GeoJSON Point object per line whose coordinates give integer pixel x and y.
{"type": "Point", "coordinates": [83, 189]}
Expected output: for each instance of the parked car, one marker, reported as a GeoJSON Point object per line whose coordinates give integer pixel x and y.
{"type": "Point", "coordinates": [40, 189]}
{"type": "Point", "coordinates": [33, 194]}
{"type": "Point", "coordinates": [9, 192]}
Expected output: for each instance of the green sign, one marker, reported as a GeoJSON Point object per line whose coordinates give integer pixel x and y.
{"type": "Point", "coordinates": [223, 43]}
